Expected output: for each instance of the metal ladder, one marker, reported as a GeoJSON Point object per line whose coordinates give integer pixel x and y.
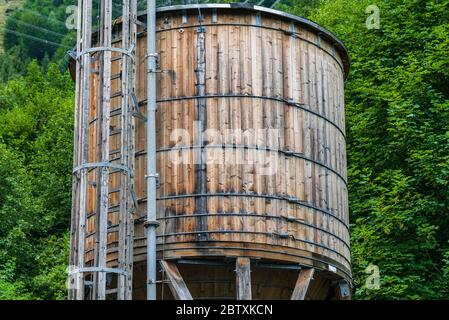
{"type": "Point", "coordinates": [101, 261]}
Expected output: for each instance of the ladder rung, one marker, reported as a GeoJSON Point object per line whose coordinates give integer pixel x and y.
{"type": "Point", "coordinates": [114, 190]}
{"type": "Point", "coordinates": [116, 94]}
{"type": "Point", "coordinates": [116, 151]}
{"type": "Point", "coordinates": [114, 209]}
{"type": "Point", "coordinates": [90, 215]}
{"type": "Point", "coordinates": [115, 132]}
{"type": "Point", "coordinates": [113, 113]}
{"type": "Point", "coordinates": [116, 112]}
{"type": "Point", "coordinates": [113, 229]}
{"type": "Point", "coordinates": [116, 76]}
{"type": "Point", "coordinates": [111, 291]}
{"type": "Point", "coordinates": [115, 159]}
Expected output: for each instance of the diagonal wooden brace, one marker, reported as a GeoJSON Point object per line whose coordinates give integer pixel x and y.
{"type": "Point", "coordinates": [176, 283]}
{"type": "Point", "coordinates": [302, 284]}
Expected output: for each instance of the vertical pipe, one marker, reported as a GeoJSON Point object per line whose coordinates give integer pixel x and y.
{"type": "Point", "coordinates": [105, 123]}
{"type": "Point", "coordinates": [151, 224]}
{"type": "Point", "coordinates": [131, 151]}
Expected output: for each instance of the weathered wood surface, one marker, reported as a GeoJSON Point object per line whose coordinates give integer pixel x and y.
{"type": "Point", "coordinates": [243, 279]}
{"type": "Point", "coordinates": [256, 77]}
{"type": "Point", "coordinates": [176, 283]}
{"type": "Point", "coordinates": [302, 284]}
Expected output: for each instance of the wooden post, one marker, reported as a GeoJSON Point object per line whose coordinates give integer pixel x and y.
{"type": "Point", "coordinates": [302, 284]}
{"type": "Point", "coordinates": [131, 151]}
{"type": "Point", "coordinates": [105, 125]}
{"type": "Point", "coordinates": [124, 156]}
{"type": "Point", "coordinates": [84, 144]}
{"type": "Point", "coordinates": [176, 283]}
{"type": "Point", "coordinates": [243, 279]}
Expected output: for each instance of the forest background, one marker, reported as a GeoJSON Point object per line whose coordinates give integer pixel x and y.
{"type": "Point", "coordinates": [397, 108]}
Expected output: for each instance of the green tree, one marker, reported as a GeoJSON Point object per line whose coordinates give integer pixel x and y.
{"type": "Point", "coordinates": [398, 143]}
{"type": "Point", "coordinates": [36, 138]}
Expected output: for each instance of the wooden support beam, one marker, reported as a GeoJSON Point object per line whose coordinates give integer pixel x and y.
{"type": "Point", "coordinates": [176, 283]}
{"type": "Point", "coordinates": [302, 284]}
{"type": "Point", "coordinates": [243, 279]}
{"type": "Point", "coordinates": [105, 137]}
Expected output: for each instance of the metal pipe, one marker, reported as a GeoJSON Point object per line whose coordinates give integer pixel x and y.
{"type": "Point", "coordinates": [291, 103]}
{"type": "Point", "coordinates": [151, 177]}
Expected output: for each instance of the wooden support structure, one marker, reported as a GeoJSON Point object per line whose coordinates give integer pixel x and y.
{"type": "Point", "coordinates": [259, 171]}
{"type": "Point", "coordinates": [243, 279]}
{"type": "Point", "coordinates": [302, 284]}
{"type": "Point", "coordinates": [83, 136]}
{"type": "Point", "coordinates": [176, 283]}
{"type": "Point", "coordinates": [105, 137]}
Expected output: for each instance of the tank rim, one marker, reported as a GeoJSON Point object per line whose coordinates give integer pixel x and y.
{"type": "Point", "coordinates": [343, 50]}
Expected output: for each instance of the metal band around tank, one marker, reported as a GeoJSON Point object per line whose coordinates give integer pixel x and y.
{"type": "Point", "coordinates": [287, 153]}
{"type": "Point", "coordinates": [249, 195]}
{"type": "Point", "coordinates": [292, 34]}
{"type": "Point", "coordinates": [292, 103]}
{"type": "Point", "coordinates": [265, 216]}
{"type": "Point", "coordinates": [258, 264]}
{"type": "Point", "coordinates": [289, 236]}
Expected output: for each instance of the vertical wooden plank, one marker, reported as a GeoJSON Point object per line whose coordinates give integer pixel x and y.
{"type": "Point", "coordinates": [243, 279]}
{"type": "Point", "coordinates": [87, 29]}
{"type": "Point", "coordinates": [121, 279]}
{"type": "Point", "coordinates": [103, 220]}
{"type": "Point", "coordinates": [131, 157]}
{"type": "Point", "coordinates": [200, 176]}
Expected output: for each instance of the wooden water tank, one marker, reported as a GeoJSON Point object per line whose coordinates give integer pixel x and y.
{"type": "Point", "coordinates": [251, 151]}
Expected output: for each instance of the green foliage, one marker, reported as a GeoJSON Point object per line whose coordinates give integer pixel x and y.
{"type": "Point", "coordinates": [43, 19]}
{"type": "Point", "coordinates": [398, 143]}
{"type": "Point", "coordinates": [35, 183]}
{"type": "Point", "coordinates": [302, 8]}
{"type": "Point", "coordinates": [397, 103]}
